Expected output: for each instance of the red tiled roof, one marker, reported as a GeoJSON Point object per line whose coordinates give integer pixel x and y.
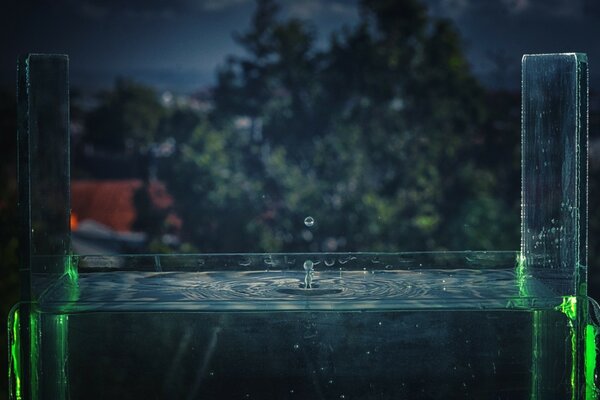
{"type": "Point", "coordinates": [110, 202]}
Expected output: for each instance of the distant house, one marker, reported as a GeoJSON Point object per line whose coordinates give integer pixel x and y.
{"type": "Point", "coordinates": [103, 214]}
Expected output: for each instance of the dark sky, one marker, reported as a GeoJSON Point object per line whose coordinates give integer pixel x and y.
{"type": "Point", "coordinates": [177, 44]}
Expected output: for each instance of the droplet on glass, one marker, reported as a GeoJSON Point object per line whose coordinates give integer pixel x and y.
{"type": "Point", "coordinates": [309, 221]}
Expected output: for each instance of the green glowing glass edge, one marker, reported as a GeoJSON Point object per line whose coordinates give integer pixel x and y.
{"type": "Point", "coordinates": [15, 352]}
{"type": "Point", "coordinates": [521, 275]}
{"type": "Point", "coordinates": [71, 268]}
{"type": "Point", "coordinates": [34, 335]}
{"type": "Point", "coordinates": [591, 391]}
{"type": "Point", "coordinates": [62, 356]}
{"type": "Point", "coordinates": [535, 354]}
{"type": "Point", "coordinates": [573, 363]}
{"type": "Point", "coordinates": [72, 276]}
{"type": "Point", "coordinates": [569, 308]}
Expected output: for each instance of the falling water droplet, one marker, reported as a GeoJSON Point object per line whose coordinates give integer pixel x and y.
{"type": "Point", "coordinates": [309, 221]}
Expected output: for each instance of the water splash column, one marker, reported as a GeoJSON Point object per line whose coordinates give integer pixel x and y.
{"type": "Point", "coordinates": [554, 202]}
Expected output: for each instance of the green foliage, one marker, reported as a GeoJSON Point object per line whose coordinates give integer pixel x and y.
{"type": "Point", "coordinates": [128, 117]}
{"type": "Point", "coordinates": [213, 195]}
{"type": "Point", "coordinates": [384, 137]}
{"type": "Point", "coordinates": [380, 134]}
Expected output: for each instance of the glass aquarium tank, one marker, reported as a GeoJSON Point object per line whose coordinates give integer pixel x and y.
{"type": "Point", "coordinates": [314, 324]}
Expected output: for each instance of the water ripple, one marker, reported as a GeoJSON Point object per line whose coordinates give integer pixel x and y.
{"type": "Point", "coordinates": [289, 285]}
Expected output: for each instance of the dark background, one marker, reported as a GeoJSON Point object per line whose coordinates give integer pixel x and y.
{"type": "Point", "coordinates": [408, 109]}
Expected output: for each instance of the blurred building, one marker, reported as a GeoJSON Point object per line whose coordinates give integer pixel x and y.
{"type": "Point", "coordinates": [103, 215]}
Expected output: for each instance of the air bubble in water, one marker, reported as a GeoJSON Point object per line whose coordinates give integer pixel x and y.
{"type": "Point", "coordinates": [245, 262]}
{"type": "Point", "coordinates": [309, 221]}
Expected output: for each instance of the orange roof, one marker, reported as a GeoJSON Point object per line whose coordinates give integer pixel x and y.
{"type": "Point", "coordinates": [110, 202]}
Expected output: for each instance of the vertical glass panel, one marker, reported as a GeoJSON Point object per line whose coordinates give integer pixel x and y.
{"type": "Point", "coordinates": [43, 134]}
{"type": "Point", "coordinates": [554, 204]}
{"type": "Point", "coordinates": [554, 170]}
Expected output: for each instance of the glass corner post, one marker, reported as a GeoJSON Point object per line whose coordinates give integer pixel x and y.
{"type": "Point", "coordinates": [554, 205]}
{"type": "Point", "coordinates": [45, 237]}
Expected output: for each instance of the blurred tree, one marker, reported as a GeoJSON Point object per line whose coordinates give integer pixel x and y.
{"type": "Point", "coordinates": [127, 117]}
{"type": "Point", "coordinates": [218, 203]}
{"type": "Point", "coordinates": [149, 219]}
{"type": "Point", "coordinates": [396, 87]}
{"type": "Point", "coordinates": [277, 82]}
{"type": "Point", "coordinates": [385, 137]}
{"type": "Point", "coordinates": [178, 124]}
